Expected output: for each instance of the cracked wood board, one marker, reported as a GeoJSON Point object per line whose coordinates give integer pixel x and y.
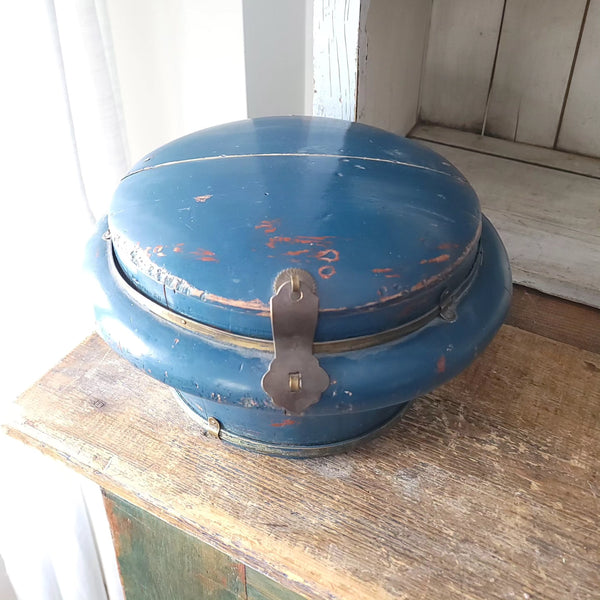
{"type": "Point", "coordinates": [487, 489]}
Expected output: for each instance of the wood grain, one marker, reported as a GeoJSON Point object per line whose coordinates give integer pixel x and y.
{"type": "Point", "coordinates": [392, 45]}
{"type": "Point", "coordinates": [526, 153]}
{"type": "Point", "coordinates": [537, 47]}
{"type": "Point", "coordinates": [580, 130]}
{"type": "Point", "coordinates": [548, 220]}
{"type": "Point", "coordinates": [557, 319]}
{"type": "Point", "coordinates": [160, 562]}
{"type": "Point", "coordinates": [489, 488]}
{"type": "Point", "coordinates": [459, 63]}
{"type": "Point", "coordinates": [156, 564]}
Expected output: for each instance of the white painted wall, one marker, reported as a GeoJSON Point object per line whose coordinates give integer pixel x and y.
{"type": "Point", "coordinates": [460, 57]}
{"type": "Point", "coordinates": [393, 40]}
{"type": "Point", "coordinates": [278, 57]}
{"type": "Point", "coordinates": [180, 67]}
{"type": "Point", "coordinates": [580, 129]}
{"type": "Point", "coordinates": [522, 71]}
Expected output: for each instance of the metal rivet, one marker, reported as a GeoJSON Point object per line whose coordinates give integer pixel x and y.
{"type": "Point", "coordinates": [295, 382]}
{"type": "Point", "coordinates": [296, 292]}
{"type": "Point", "coordinates": [448, 306]}
{"type": "Point", "coordinates": [214, 427]}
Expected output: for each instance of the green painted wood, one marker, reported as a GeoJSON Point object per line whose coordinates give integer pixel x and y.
{"type": "Point", "coordinates": [260, 587]}
{"type": "Point", "coordinates": [157, 561]}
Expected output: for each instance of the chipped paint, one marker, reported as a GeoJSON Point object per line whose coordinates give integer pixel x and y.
{"type": "Point", "coordinates": [204, 255]}
{"type": "Point", "coordinates": [447, 246]}
{"type": "Point", "coordinates": [140, 258]}
{"type": "Point", "coordinates": [327, 271]}
{"type": "Point", "coordinates": [436, 259]}
{"type": "Point", "coordinates": [322, 241]}
{"type": "Point", "coordinates": [132, 253]}
{"type": "Point", "coordinates": [203, 198]}
{"type": "Point", "coordinates": [388, 273]}
{"type": "Point", "coordinates": [255, 304]}
{"type": "Point", "coordinates": [440, 366]}
{"type": "Point", "coordinates": [249, 402]}
{"type": "Point", "coordinates": [268, 226]}
{"type": "Point", "coordinates": [329, 255]}
{"type": "Point", "coordinates": [285, 423]}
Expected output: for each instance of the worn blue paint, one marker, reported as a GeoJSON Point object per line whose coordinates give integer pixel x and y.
{"type": "Point", "coordinates": [229, 224]}
{"type": "Point", "coordinates": [204, 225]}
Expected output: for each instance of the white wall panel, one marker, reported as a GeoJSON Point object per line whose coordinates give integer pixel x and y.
{"type": "Point", "coordinates": [460, 57]}
{"type": "Point", "coordinates": [536, 51]}
{"type": "Point", "coordinates": [580, 130]}
{"type": "Point", "coordinates": [392, 45]}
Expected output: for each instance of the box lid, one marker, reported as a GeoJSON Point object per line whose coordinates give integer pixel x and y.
{"type": "Point", "coordinates": [386, 227]}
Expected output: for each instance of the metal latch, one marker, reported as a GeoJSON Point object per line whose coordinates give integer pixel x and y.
{"type": "Point", "coordinates": [295, 380]}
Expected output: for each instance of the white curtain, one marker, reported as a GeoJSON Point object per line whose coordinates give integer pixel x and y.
{"type": "Point", "coordinates": [88, 86]}
{"type": "Point", "coordinates": [62, 152]}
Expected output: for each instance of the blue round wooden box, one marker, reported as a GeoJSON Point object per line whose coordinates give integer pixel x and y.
{"type": "Point", "coordinates": [297, 281]}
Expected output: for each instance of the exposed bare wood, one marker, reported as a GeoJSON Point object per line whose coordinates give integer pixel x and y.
{"type": "Point", "coordinates": [488, 489]}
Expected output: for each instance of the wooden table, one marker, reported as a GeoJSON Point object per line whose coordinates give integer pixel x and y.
{"type": "Point", "coordinates": [489, 488]}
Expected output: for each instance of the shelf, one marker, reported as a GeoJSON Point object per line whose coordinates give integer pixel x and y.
{"type": "Point", "coordinates": [544, 203]}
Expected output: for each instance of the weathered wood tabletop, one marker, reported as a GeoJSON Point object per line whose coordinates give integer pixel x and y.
{"type": "Point", "coordinates": [489, 488]}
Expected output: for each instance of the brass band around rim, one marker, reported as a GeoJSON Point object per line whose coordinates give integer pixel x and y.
{"type": "Point", "coordinates": [242, 341]}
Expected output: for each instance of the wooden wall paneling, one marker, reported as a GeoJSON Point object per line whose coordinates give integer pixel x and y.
{"type": "Point", "coordinates": [460, 57]}
{"type": "Point", "coordinates": [537, 47]}
{"type": "Point", "coordinates": [580, 128]}
{"type": "Point", "coordinates": [392, 43]}
{"type": "Point", "coordinates": [335, 56]}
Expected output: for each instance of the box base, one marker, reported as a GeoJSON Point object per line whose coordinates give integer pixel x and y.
{"type": "Point", "coordinates": [212, 417]}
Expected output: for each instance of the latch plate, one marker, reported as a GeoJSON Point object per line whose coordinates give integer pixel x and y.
{"type": "Point", "coordinates": [295, 380]}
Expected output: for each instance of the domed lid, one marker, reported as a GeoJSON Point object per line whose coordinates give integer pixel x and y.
{"type": "Point", "coordinates": [205, 224]}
